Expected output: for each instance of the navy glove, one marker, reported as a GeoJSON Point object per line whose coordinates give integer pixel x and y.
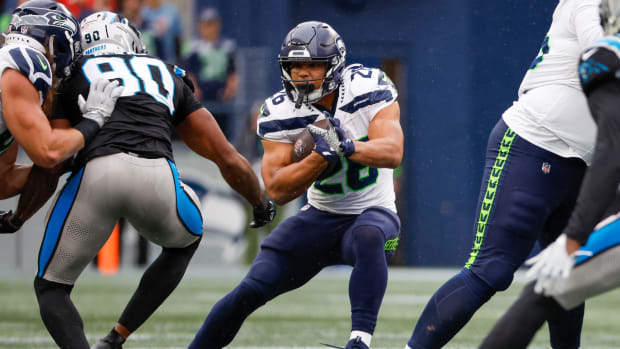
{"type": "Point", "coordinates": [264, 213]}
{"type": "Point", "coordinates": [9, 223]}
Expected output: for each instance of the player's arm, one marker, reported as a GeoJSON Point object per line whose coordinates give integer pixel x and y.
{"type": "Point", "coordinates": [39, 186]}
{"type": "Point", "coordinates": [30, 127]}
{"type": "Point", "coordinates": [202, 134]}
{"type": "Point", "coordinates": [602, 177]}
{"type": "Point", "coordinates": [285, 181]}
{"type": "Point", "coordinates": [587, 23]}
{"type": "Point", "coordinates": [12, 175]}
{"type": "Point", "coordinates": [384, 148]}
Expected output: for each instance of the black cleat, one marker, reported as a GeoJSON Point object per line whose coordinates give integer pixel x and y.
{"type": "Point", "coordinates": [355, 343]}
{"type": "Point", "coordinates": [112, 340]}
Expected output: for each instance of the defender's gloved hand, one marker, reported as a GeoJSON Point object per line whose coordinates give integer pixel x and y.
{"type": "Point", "coordinates": [552, 267]}
{"type": "Point", "coordinates": [9, 224]}
{"type": "Point", "coordinates": [335, 137]}
{"type": "Point", "coordinates": [264, 213]}
{"type": "Point", "coordinates": [102, 98]}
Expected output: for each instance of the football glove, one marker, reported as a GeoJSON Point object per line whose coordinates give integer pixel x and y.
{"type": "Point", "coordinates": [322, 148]}
{"type": "Point", "coordinates": [264, 213]}
{"type": "Point", "coordinates": [552, 267]}
{"type": "Point", "coordinates": [334, 136]}
{"type": "Point", "coordinates": [9, 224]}
{"type": "Point", "coordinates": [101, 100]}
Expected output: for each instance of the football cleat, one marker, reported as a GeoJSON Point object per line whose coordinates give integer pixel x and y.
{"type": "Point", "coordinates": [355, 343]}
{"type": "Point", "coordinates": [111, 341]}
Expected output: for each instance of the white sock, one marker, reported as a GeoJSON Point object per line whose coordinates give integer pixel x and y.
{"type": "Point", "coordinates": [407, 346]}
{"type": "Point", "coordinates": [365, 336]}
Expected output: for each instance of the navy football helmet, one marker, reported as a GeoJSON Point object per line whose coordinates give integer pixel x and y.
{"type": "Point", "coordinates": [50, 28]}
{"type": "Point", "coordinates": [610, 16]}
{"type": "Point", "coordinates": [312, 42]}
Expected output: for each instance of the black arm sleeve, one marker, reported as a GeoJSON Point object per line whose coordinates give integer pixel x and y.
{"type": "Point", "coordinates": [601, 180]}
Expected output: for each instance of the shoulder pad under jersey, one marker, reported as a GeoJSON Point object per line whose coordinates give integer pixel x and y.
{"type": "Point", "coordinates": [365, 87]}
{"type": "Point", "coordinates": [30, 63]}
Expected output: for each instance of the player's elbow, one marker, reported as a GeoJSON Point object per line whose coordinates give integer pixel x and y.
{"type": "Point", "coordinates": [278, 195]}
{"type": "Point", "coordinates": [394, 162]}
{"type": "Point", "coordinates": [47, 158]}
{"type": "Point", "coordinates": [394, 159]}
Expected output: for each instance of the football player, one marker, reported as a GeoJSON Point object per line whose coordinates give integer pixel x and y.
{"type": "Point", "coordinates": [128, 171]}
{"type": "Point", "coordinates": [596, 262]}
{"type": "Point", "coordinates": [42, 40]}
{"type": "Point", "coordinates": [351, 216]}
{"type": "Point", "coordinates": [536, 156]}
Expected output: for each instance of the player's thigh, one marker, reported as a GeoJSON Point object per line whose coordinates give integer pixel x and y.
{"type": "Point", "coordinates": [78, 224]}
{"type": "Point", "coordinates": [385, 230]}
{"type": "Point", "coordinates": [161, 207]}
{"type": "Point", "coordinates": [573, 171]}
{"type": "Point", "coordinates": [310, 234]}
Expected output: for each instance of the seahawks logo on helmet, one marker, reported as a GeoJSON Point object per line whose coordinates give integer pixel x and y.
{"type": "Point", "coordinates": [61, 21]}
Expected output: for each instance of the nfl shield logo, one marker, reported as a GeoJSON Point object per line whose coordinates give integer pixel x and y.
{"type": "Point", "coordinates": [546, 167]}
{"type": "Point", "coordinates": [24, 29]}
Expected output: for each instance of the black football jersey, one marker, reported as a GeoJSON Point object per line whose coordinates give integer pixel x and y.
{"type": "Point", "coordinates": [154, 100]}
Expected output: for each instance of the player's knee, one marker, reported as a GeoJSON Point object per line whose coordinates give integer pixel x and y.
{"type": "Point", "coordinates": [368, 240]}
{"type": "Point", "coordinates": [48, 292]}
{"type": "Point", "coordinates": [497, 274]}
{"type": "Point", "coordinates": [186, 252]}
{"type": "Point", "coordinates": [265, 272]}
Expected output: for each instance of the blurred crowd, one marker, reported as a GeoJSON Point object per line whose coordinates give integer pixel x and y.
{"type": "Point", "coordinates": [208, 57]}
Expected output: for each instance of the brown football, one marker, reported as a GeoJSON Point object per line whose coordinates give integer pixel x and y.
{"type": "Point", "coordinates": [304, 143]}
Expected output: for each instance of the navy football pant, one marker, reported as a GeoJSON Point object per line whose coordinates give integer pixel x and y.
{"type": "Point", "coordinates": [295, 252]}
{"type": "Point", "coordinates": [527, 194]}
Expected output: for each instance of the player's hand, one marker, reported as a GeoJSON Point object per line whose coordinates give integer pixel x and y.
{"type": "Point", "coordinates": [321, 147]}
{"type": "Point", "coordinates": [334, 136]}
{"type": "Point", "coordinates": [264, 213]}
{"type": "Point", "coordinates": [552, 267]}
{"type": "Point", "coordinates": [9, 223]}
{"type": "Point", "coordinates": [101, 101]}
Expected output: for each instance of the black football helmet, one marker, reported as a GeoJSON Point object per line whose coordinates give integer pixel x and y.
{"type": "Point", "coordinates": [48, 27]}
{"type": "Point", "coordinates": [312, 42]}
{"type": "Point", "coordinates": [610, 16]}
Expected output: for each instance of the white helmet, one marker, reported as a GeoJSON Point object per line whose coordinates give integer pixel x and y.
{"type": "Point", "coordinates": [107, 32]}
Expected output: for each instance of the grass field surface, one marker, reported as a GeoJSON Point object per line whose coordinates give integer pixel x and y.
{"type": "Point", "coordinates": [316, 313]}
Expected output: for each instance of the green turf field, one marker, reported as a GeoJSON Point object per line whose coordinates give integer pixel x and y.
{"type": "Point", "coordinates": [318, 312]}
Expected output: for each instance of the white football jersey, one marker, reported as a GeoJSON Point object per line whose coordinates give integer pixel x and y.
{"type": "Point", "coordinates": [552, 112]}
{"type": "Point", "coordinates": [31, 64]}
{"type": "Point", "coordinates": [353, 187]}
